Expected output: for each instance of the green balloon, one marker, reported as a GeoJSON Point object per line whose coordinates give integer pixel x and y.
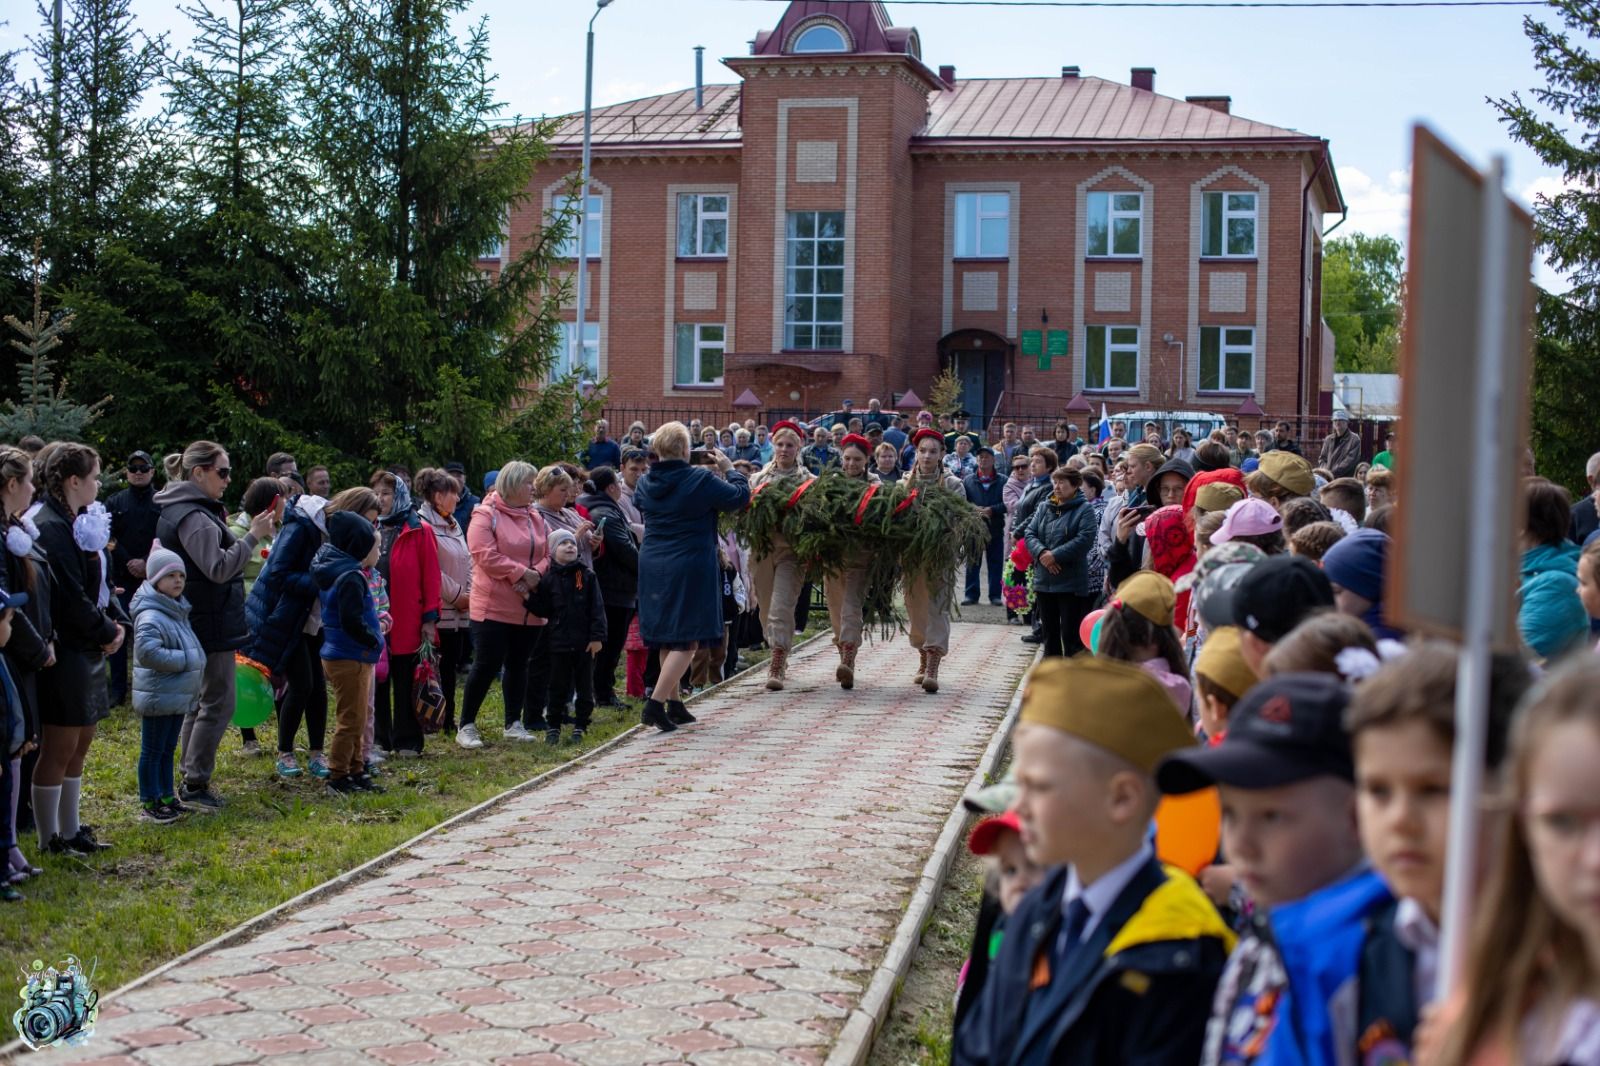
{"type": "Point", "coordinates": [1094, 636]}
{"type": "Point", "coordinates": [252, 695]}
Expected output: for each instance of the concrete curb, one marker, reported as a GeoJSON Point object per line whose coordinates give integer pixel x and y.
{"type": "Point", "coordinates": [861, 1026]}
{"type": "Point", "coordinates": [375, 865]}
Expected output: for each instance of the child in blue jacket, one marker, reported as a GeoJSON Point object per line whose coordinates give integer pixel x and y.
{"type": "Point", "coordinates": [351, 642]}
{"type": "Point", "coordinates": [168, 667]}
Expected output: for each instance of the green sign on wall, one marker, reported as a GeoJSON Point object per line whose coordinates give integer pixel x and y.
{"type": "Point", "coordinates": [1032, 343]}
{"type": "Point", "coordinates": [1055, 345]}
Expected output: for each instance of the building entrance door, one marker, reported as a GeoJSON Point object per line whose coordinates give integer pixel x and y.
{"type": "Point", "coordinates": [979, 360]}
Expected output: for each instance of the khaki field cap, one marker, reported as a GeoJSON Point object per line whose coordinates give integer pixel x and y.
{"type": "Point", "coordinates": [1110, 704]}
{"type": "Point", "coordinates": [1150, 594]}
{"type": "Point", "coordinates": [1222, 662]}
{"type": "Point", "coordinates": [1290, 471]}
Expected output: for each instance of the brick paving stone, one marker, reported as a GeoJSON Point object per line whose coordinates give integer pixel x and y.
{"type": "Point", "coordinates": [715, 896]}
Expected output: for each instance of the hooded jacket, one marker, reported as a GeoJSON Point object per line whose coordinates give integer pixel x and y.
{"type": "Point", "coordinates": [350, 627]}
{"type": "Point", "coordinates": [1137, 989]}
{"type": "Point", "coordinates": [1125, 557]}
{"type": "Point", "coordinates": [285, 592]}
{"type": "Point", "coordinates": [1549, 613]}
{"type": "Point", "coordinates": [617, 566]}
{"type": "Point", "coordinates": [196, 527]}
{"type": "Point", "coordinates": [168, 661]}
{"type": "Point", "coordinates": [1067, 531]}
{"type": "Point", "coordinates": [504, 541]}
{"type": "Point", "coordinates": [568, 599]}
{"type": "Point", "coordinates": [413, 579]}
{"type": "Point", "coordinates": [1290, 994]}
{"type": "Point", "coordinates": [455, 565]}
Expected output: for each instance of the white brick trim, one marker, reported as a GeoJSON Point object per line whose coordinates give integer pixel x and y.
{"type": "Point", "coordinates": [669, 344]}
{"type": "Point", "coordinates": [1080, 341]}
{"type": "Point", "coordinates": [852, 107]}
{"type": "Point", "coordinates": [600, 309]}
{"type": "Point", "coordinates": [947, 307]}
{"type": "Point", "coordinates": [1191, 382]}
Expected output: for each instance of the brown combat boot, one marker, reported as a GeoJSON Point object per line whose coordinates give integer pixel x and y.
{"type": "Point", "coordinates": [930, 675]}
{"type": "Point", "coordinates": [922, 666]}
{"type": "Point", "coordinates": [846, 673]}
{"type": "Point", "coordinates": [775, 669]}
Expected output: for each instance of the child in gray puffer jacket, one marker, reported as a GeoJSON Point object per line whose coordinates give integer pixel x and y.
{"type": "Point", "coordinates": [168, 666]}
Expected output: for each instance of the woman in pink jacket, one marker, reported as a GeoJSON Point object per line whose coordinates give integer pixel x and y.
{"type": "Point", "coordinates": [507, 541]}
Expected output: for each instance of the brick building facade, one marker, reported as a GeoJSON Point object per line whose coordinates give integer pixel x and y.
{"type": "Point", "coordinates": [844, 221]}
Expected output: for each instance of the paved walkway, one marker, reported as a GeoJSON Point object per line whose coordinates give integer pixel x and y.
{"type": "Point", "coordinates": [718, 896]}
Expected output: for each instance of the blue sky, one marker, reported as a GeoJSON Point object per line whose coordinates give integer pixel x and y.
{"type": "Point", "coordinates": [1358, 77]}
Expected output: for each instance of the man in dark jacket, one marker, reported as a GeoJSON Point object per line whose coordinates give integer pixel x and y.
{"type": "Point", "coordinates": [986, 491]}
{"type": "Point", "coordinates": [617, 568]}
{"type": "Point", "coordinates": [1341, 449]}
{"type": "Point", "coordinates": [1111, 959]}
{"type": "Point", "coordinates": [463, 513]}
{"type": "Point", "coordinates": [134, 514]}
{"type": "Point", "coordinates": [602, 451]}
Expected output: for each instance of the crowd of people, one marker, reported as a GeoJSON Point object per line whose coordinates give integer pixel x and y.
{"type": "Point", "coordinates": [1229, 595]}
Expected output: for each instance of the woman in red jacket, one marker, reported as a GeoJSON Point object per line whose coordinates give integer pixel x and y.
{"type": "Point", "coordinates": [410, 564]}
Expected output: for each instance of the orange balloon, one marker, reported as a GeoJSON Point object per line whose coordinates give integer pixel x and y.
{"type": "Point", "coordinates": [1188, 830]}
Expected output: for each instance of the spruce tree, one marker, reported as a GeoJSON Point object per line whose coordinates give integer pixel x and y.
{"type": "Point", "coordinates": [416, 174]}
{"type": "Point", "coordinates": [42, 407]}
{"type": "Point", "coordinates": [1562, 126]}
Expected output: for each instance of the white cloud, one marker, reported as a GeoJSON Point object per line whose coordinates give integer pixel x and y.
{"type": "Point", "coordinates": [1377, 206]}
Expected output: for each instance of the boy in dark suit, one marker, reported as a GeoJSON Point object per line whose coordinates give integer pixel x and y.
{"type": "Point", "coordinates": [1113, 958]}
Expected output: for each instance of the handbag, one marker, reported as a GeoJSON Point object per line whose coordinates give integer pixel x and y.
{"type": "Point", "coordinates": [427, 695]}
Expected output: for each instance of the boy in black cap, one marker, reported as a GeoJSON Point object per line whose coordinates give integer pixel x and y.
{"type": "Point", "coordinates": [1267, 603]}
{"type": "Point", "coordinates": [1286, 777]}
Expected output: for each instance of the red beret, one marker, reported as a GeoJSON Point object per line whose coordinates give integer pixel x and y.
{"type": "Point", "coordinates": [927, 434]}
{"type": "Point", "coordinates": [858, 441]}
{"type": "Point", "coordinates": [790, 425]}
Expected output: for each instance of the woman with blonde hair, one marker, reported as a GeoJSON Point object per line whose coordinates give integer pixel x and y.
{"type": "Point", "coordinates": [507, 540]}
{"type": "Point", "coordinates": [680, 578]}
{"type": "Point", "coordinates": [778, 574]}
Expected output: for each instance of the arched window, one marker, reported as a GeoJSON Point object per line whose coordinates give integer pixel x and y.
{"type": "Point", "coordinates": [821, 37]}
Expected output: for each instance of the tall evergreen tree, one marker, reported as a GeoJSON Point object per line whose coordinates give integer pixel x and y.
{"type": "Point", "coordinates": [416, 180]}
{"type": "Point", "coordinates": [1564, 132]}
{"type": "Point", "coordinates": [20, 210]}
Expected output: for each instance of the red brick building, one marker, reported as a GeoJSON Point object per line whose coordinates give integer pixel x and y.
{"type": "Point", "coordinates": [844, 221]}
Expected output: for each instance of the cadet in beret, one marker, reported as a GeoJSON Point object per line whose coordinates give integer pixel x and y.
{"type": "Point", "coordinates": [1113, 958]}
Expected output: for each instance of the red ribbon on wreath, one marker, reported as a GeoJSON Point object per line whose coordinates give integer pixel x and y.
{"type": "Point", "coordinates": [907, 502]}
{"type": "Point", "coordinates": [861, 508]}
{"type": "Point", "coordinates": [799, 492]}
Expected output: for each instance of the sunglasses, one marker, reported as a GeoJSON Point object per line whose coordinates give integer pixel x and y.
{"type": "Point", "coordinates": [140, 469]}
{"type": "Point", "coordinates": [225, 473]}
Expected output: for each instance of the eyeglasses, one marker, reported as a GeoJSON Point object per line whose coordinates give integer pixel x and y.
{"type": "Point", "coordinates": [225, 473]}
{"type": "Point", "coordinates": [140, 469]}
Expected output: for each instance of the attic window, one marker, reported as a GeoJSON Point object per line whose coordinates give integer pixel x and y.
{"type": "Point", "coordinates": [820, 37]}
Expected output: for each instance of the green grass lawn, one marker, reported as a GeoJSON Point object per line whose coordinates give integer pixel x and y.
{"type": "Point", "coordinates": [161, 890]}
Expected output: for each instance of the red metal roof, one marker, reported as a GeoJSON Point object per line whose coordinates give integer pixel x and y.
{"type": "Point", "coordinates": [670, 118]}
{"type": "Point", "coordinates": [1078, 109]}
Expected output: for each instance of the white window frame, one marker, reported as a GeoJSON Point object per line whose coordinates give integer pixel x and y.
{"type": "Point", "coordinates": [697, 242]}
{"type": "Point", "coordinates": [1225, 349]}
{"type": "Point", "coordinates": [568, 249]}
{"type": "Point", "coordinates": [1228, 215]}
{"type": "Point", "coordinates": [1110, 346]}
{"type": "Point", "coordinates": [497, 250]}
{"type": "Point", "coordinates": [1107, 202]}
{"type": "Point", "coordinates": [791, 292]}
{"type": "Point", "coordinates": [700, 344]}
{"type": "Point", "coordinates": [822, 24]}
{"type": "Point", "coordinates": [567, 364]}
{"type": "Point", "coordinates": [980, 207]}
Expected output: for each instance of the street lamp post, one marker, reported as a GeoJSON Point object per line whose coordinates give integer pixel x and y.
{"type": "Point", "coordinates": [583, 190]}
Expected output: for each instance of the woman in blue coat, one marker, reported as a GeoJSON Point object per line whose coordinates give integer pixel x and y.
{"type": "Point", "coordinates": [680, 581]}
{"type": "Point", "coordinates": [1059, 537]}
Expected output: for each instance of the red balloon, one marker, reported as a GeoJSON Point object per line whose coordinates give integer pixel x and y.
{"type": "Point", "coordinates": [1086, 627]}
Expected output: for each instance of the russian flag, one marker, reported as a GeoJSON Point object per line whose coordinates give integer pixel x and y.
{"type": "Point", "coordinates": [1105, 426]}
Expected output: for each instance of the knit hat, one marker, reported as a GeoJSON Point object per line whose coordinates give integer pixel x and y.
{"type": "Point", "coordinates": [1289, 470]}
{"type": "Point", "coordinates": [561, 536]}
{"type": "Point", "coordinates": [1248, 518]}
{"type": "Point", "coordinates": [351, 534]}
{"type": "Point", "coordinates": [1357, 561]}
{"type": "Point", "coordinates": [162, 561]}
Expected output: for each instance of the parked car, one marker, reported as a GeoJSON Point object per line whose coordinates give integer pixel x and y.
{"type": "Point", "coordinates": [1198, 423]}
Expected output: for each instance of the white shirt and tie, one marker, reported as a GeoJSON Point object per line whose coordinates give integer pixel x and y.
{"type": "Point", "coordinates": [1094, 900]}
